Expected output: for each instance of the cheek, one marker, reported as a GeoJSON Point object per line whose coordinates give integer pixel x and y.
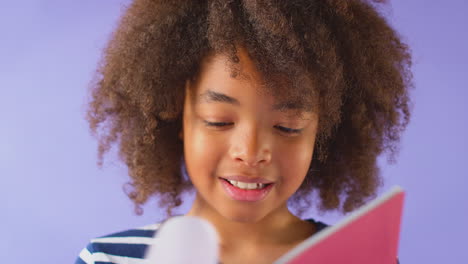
{"type": "Point", "coordinates": [202, 152]}
{"type": "Point", "coordinates": [294, 163]}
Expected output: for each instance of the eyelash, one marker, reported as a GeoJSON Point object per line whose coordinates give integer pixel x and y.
{"type": "Point", "coordinates": [283, 129]}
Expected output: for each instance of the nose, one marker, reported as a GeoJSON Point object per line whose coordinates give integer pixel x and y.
{"type": "Point", "coordinates": [251, 148]}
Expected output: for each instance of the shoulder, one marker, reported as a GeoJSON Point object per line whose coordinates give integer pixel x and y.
{"type": "Point", "coordinates": [318, 225]}
{"type": "Point", "coordinates": [127, 246]}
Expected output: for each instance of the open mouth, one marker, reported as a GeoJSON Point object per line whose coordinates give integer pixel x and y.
{"type": "Point", "coordinates": [246, 185]}
{"type": "Point", "coordinates": [246, 191]}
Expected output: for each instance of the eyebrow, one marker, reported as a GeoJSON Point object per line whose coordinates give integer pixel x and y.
{"type": "Point", "coordinates": [210, 96]}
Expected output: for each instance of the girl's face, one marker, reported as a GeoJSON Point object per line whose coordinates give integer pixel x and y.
{"type": "Point", "coordinates": [233, 131]}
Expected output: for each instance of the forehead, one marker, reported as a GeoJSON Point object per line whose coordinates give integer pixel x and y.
{"type": "Point", "coordinates": [217, 73]}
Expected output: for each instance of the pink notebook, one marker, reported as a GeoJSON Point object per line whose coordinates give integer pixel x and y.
{"type": "Point", "coordinates": [369, 235]}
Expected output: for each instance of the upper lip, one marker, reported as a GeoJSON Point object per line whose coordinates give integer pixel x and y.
{"type": "Point", "coordinates": [247, 179]}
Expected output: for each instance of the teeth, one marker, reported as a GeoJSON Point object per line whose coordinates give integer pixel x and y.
{"type": "Point", "coordinates": [247, 186]}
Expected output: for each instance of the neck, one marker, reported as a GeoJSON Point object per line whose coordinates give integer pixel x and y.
{"type": "Point", "coordinates": [279, 227]}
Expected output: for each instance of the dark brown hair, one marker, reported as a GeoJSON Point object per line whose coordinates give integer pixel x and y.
{"type": "Point", "coordinates": [343, 51]}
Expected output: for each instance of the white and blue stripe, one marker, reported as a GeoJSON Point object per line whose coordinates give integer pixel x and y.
{"type": "Point", "coordinates": [128, 247]}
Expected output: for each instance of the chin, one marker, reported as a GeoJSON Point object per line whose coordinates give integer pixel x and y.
{"type": "Point", "coordinates": [243, 216]}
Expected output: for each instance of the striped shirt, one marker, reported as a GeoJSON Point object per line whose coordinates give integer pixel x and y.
{"type": "Point", "coordinates": [129, 247]}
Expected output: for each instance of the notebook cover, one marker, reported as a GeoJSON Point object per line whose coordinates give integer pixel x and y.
{"type": "Point", "coordinates": [369, 235]}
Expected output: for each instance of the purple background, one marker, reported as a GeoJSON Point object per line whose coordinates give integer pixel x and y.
{"type": "Point", "coordinates": [54, 198]}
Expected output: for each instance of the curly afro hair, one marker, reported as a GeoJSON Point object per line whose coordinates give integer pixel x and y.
{"type": "Point", "coordinates": [343, 52]}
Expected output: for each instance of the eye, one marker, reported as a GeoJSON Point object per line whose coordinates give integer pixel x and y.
{"type": "Point", "coordinates": [217, 124]}
{"type": "Point", "coordinates": [283, 129]}
{"type": "Point", "coordinates": [288, 130]}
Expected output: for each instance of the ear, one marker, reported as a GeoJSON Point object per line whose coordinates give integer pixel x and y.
{"type": "Point", "coordinates": [186, 93]}
{"type": "Point", "coordinates": [181, 134]}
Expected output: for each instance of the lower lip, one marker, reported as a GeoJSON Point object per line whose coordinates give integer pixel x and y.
{"type": "Point", "coordinates": [245, 195]}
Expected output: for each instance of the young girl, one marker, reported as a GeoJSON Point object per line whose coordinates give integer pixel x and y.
{"type": "Point", "coordinates": [253, 104]}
